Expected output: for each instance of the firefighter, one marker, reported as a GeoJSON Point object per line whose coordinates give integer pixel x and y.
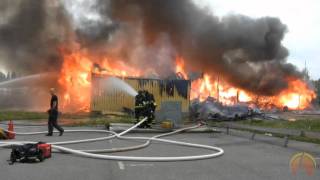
{"type": "Point", "coordinates": [148, 109]}
{"type": "Point", "coordinates": [53, 114]}
{"type": "Point", "coordinates": [138, 105]}
{"type": "Point", "coordinates": [145, 107]}
{"type": "Point", "coordinates": [151, 107]}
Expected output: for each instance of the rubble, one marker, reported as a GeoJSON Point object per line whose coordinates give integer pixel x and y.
{"type": "Point", "coordinates": [211, 109]}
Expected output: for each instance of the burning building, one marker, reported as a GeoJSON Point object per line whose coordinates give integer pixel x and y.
{"type": "Point", "coordinates": [113, 99]}
{"type": "Point", "coordinates": [241, 59]}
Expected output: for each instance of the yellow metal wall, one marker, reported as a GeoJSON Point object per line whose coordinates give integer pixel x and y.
{"type": "Point", "coordinates": [113, 101]}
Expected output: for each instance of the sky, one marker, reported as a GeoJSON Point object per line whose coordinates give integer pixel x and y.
{"type": "Point", "coordinates": [301, 16]}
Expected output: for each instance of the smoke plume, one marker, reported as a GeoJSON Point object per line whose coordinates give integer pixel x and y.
{"type": "Point", "coordinates": [30, 33]}
{"type": "Point", "coordinates": [245, 52]}
{"type": "Point", "coordinates": [148, 35]}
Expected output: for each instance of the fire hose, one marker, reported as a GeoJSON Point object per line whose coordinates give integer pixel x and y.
{"type": "Point", "coordinates": [91, 153]}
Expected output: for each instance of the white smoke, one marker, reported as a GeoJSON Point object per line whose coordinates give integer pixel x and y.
{"type": "Point", "coordinates": [85, 15]}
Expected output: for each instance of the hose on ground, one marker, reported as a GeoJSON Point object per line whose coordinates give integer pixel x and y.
{"type": "Point", "coordinates": [91, 153]}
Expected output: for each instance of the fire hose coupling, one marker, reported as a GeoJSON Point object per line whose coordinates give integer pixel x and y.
{"type": "Point", "coordinates": [91, 153]}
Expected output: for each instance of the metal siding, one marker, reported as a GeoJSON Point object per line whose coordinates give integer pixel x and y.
{"type": "Point", "coordinates": [111, 102]}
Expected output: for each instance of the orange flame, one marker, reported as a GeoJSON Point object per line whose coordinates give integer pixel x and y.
{"type": "Point", "coordinates": [75, 80]}
{"type": "Point", "coordinates": [78, 65]}
{"type": "Point", "coordinates": [206, 86]}
{"type": "Point", "coordinates": [75, 77]}
{"type": "Point", "coordinates": [180, 69]}
{"type": "Point", "coordinates": [297, 96]}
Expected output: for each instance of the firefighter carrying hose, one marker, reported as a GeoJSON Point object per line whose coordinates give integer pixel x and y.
{"type": "Point", "coordinates": [145, 106]}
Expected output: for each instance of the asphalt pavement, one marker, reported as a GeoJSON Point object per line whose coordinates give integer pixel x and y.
{"type": "Point", "coordinates": [263, 158]}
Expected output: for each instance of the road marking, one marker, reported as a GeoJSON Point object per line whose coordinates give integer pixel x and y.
{"type": "Point", "coordinates": [121, 165]}
{"type": "Point", "coordinates": [136, 165]}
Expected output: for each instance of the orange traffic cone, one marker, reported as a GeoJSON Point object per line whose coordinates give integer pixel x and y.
{"type": "Point", "coordinates": [11, 134]}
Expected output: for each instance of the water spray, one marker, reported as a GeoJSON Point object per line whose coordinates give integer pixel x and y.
{"type": "Point", "coordinates": [115, 83]}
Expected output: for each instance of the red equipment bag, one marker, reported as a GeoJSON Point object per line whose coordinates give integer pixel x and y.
{"type": "Point", "coordinates": [46, 149]}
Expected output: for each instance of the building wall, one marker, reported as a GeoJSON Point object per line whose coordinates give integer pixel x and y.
{"type": "Point", "coordinates": [114, 100]}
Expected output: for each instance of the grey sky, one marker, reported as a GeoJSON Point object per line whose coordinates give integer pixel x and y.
{"type": "Point", "coordinates": [301, 17]}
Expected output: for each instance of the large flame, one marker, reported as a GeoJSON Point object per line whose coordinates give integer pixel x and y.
{"type": "Point", "coordinates": [78, 66]}
{"type": "Point", "coordinates": [75, 80]}
{"type": "Point", "coordinates": [75, 77]}
{"type": "Point", "coordinates": [213, 87]}
{"type": "Point", "coordinates": [297, 96]}
{"type": "Point", "coordinates": [208, 86]}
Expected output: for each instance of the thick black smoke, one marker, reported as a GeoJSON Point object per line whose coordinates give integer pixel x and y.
{"type": "Point", "coordinates": [147, 34]}
{"type": "Point", "coordinates": [30, 34]}
{"type": "Point", "coordinates": [245, 52]}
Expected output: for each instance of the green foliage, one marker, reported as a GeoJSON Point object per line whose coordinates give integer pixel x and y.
{"type": "Point", "coordinates": [77, 119]}
{"type": "Point", "coordinates": [102, 121]}
{"type": "Point", "coordinates": [304, 124]}
{"type": "Point", "coordinates": [21, 115]}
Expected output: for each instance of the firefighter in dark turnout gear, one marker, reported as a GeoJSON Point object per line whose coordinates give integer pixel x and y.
{"type": "Point", "coordinates": [151, 106]}
{"type": "Point", "coordinates": [138, 105]}
{"type": "Point", "coordinates": [53, 114]}
{"type": "Point", "coordinates": [145, 107]}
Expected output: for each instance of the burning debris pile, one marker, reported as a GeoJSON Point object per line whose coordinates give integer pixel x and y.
{"type": "Point", "coordinates": [242, 59]}
{"type": "Point", "coordinates": [211, 109]}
